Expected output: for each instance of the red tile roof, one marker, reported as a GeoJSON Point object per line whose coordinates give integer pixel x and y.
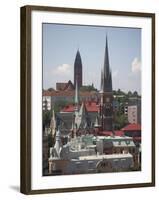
{"type": "Point", "coordinates": [47, 93]}
{"type": "Point", "coordinates": [110, 133]}
{"type": "Point", "coordinates": [119, 133]}
{"type": "Point", "coordinates": [69, 108]}
{"type": "Point", "coordinates": [90, 106]}
{"type": "Point", "coordinates": [132, 127]}
{"type": "Point", "coordinates": [58, 93]}
{"type": "Point", "coordinates": [69, 93]}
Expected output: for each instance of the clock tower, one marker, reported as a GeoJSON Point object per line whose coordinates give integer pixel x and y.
{"type": "Point", "coordinates": [106, 94]}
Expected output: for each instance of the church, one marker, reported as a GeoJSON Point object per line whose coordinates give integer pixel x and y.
{"type": "Point", "coordinates": [103, 117]}
{"type": "Point", "coordinates": [79, 145]}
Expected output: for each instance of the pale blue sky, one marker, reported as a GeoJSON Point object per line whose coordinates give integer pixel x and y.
{"type": "Point", "coordinates": [60, 44]}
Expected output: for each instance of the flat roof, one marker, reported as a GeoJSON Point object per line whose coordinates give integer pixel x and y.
{"type": "Point", "coordinates": [123, 144]}
{"type": "Point", "coordinates": [109, 156]}
{"type": "Point", "coordinates": [113, 138]}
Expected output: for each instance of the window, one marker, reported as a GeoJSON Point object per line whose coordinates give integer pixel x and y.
{"type": "Point", "coordinates": [78, 165]}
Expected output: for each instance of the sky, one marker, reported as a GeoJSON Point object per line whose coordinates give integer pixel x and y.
{"type": "Point", "coordinates": [60, 45]}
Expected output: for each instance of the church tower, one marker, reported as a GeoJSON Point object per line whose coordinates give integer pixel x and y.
{"type": "Point", "coordinates": [78, 70]}
{"type": "Point", "coordinates": [106, 104]}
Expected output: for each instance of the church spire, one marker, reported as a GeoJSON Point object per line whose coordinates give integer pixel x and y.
{"type": "Point", "coordinates": [76, 97]}
{"type": "Point", "coordinates": [84, 118]}
{"type": "Point", "coordinates": [106, 109]}
{"type": "Point", "coordinates": [102, 79]}
{"type": "Point", "coordinates": [53, 123]}
{"type": "Point", "coordinates": [78, 69]}
{"type": "Point", "coordinates": [106, 76]}
{"type": "Point", "coordinates": [97, 122]}
{"type": "Point", "coordinates": [58, 143]}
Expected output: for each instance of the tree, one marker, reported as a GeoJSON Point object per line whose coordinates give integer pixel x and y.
{"type": "Point", "coordinates": [51, 140]}
{"type": "Point", "coordinates": [59, 105]}
{"type": "Point", "coordinates": [51, 89]}
{"type": "Point", "coordinates": [88, 88]}
{"type": "Point", "coordinates": [119, 91]}
{"type": "Point", "coordinates": [120, 120]}
{"type": "Point", "coordinates": [47, 114]}
{"type": "Point", "coordinates": [46, 118]}
{"type": "Point", "coordinates": [135, 94]}
{"type": "Point", "coordinates": [129, 93]}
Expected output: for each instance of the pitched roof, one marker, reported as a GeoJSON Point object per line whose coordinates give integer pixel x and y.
{"type": "Point", "coordinates": [47, 93]}
{"type": "Point", "coordinates": [132, 127]}
{"type": "Point", "coordinates": [68, 108]}
{"type": "Point", "coordinates": [69, 93]}
{"type": "Point", "coordinates": [60, 86]}
{"type": "Point", "coordinates": [69, 86]}
{"type": "Point", "coordinates": [111, 133]}
{"type": "Point", "coordinates": [90, 107]}
{"type": "Point", "coordinates": [65, 86]}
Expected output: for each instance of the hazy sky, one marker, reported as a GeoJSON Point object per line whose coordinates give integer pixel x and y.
{"type": "Point", "coordinates": [60, 44]}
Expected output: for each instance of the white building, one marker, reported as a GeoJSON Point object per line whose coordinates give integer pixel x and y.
{"type": "Point", "coordinates": [134, 114]}
{"type": "Point", "coordinates": [84, 154]}
{"type": "Point", "coordinates": [47, 103]}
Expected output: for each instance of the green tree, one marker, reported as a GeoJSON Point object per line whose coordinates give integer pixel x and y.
{"type": "Point", "coordinates": [46, 118]}
{"type": "Point", "coordinates": [59, 105]}
{"type": "Point", "coordinates": [135, 94]}
{"type": "Point", "coordinates": [120, 120]}
{"type": "Point", "coordinates": [51, 89]}
{"type": "Point", "coordinates": [129, 94]}
{"type": "Point", "coordinates": [88, 88]}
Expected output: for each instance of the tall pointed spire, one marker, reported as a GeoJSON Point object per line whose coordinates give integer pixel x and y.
{"type": "Point", "coordinates": [106, 59]}
{"type": "Point", "coordinates": [78, 69]}
{"type": "Point", "coordinates": [76, 97]}
{"type": "Point", "coordinates": [102, 79]}
{"type": "Point", "coordinates": [81, 117]}
{"type": "Point", "coordinates": [53, 123]}
{"type": "Point", "coordinates": [58, 143]}
{"type": "Point", "coordinates": [97, 122]}
{"type": "Point", "coordinates": [106, 79]}
{"type": "Point", "coordinates": [106, 109]}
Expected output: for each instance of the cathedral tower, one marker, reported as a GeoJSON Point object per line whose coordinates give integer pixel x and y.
{"type": "Point", "coordinates": [78, 70]}
{"type": "Point", "coordinates": [106, 107]}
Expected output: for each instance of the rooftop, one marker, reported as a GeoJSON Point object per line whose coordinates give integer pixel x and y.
{"type": "Point", "coordinates": [68, 93]}
{"type": "Point", "coordinates": [132, 127]}
{"type": "Point", "coordinates": [123, 144]}
{"type": "Point", "coordinates": [108, 156]}
{"type": "Point", "coordinates": [67, 86]}
{"type": "Point", "coordinates": [112, 133]}
{"type": "Point", "coordinates": [90, 107]}
{"type": "Point", "coordinates": [114, 138]}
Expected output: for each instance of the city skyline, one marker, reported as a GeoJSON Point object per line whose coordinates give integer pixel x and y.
{"type": "Point", "coordinates": [60, 45]}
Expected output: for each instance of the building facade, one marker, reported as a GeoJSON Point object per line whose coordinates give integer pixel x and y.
{"type": "Point", "coordinates": [85, 141]}
{"type": "Point", "coordinates": [62, 86]}
{"type": "Point", "coordinates": [86, 154]}
{"type": "Point", "coordinates": [50, 98]}
{"type": "Point", "coordinates": [47, 103]}
{"type": "Point", "coordinates": [134, 114]}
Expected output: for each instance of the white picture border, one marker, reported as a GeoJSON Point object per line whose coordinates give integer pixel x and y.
{"type": "Point", "coordinates": [72, 181]}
